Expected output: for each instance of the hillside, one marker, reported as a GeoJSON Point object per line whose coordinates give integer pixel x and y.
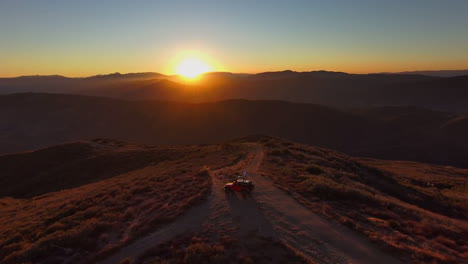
{"type": "Point", "coordinates": [80, 201]}
{"type": "Point", "coordinates": [75, 164]}
{"type": "Point", "coordinates": [319, 87]}
{"type": "Point", "coordinates": [416, 211]}
{"type": "Point", "coordinates": [310, 205]}
{"type": "Point", "coordinates": [31, 121]}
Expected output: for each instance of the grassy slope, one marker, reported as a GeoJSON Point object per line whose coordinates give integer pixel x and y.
{"type": "Point", "coordinates": [197, 248]}
{"type": "Point", "coordinates": [74, 164]}
{"type": "Point", "coordinates": [417, 211]}
{"type": "Point", "coordinates": [92, 218]}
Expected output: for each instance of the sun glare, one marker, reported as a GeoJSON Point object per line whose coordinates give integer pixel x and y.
{"type": "Point", "coordinates": [192, 67]}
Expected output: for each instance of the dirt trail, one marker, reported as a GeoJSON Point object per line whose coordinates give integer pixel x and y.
{"type": "Point", "coordinates": [320, 240]}
{"type": "Point", "coordinates": [188, 222]}
{"type": "Point", "coordinates": [211, 216]}
{"type": "Point", "coordinates": [269, 212]}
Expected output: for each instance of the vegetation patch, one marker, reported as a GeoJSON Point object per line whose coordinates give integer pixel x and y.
{"type": "Point", "coordinates": [417, 211]}
{"type": "Point", "coordinates": [227, 249]}
{"type": "Point", "coordinates": [88, 221]}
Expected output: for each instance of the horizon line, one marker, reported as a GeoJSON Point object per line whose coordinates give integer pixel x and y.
{"type": "Point", "coordinates": [228, 72]}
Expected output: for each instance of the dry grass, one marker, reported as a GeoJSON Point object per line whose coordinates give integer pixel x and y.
{"type": "Point", "coordinates": [90, 220]}
{"type": "Point", "coordinates": [227, 249]}
{"type": "Point", "coordinates": [416, 211]}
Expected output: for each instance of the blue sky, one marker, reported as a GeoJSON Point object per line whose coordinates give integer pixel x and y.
{"type": "Point", "coordinates": [78, 38]}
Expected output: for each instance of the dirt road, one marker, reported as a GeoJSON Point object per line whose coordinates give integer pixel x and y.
{"type": "Point", "coordinates": [269, 212]}
{"type": "Point", "coordinates": [317, 238]}
{"type": "Point", "coordinates": [211, 216]}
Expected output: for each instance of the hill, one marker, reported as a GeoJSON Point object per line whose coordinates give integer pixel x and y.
{"type": "Point", "coordinates": [74, 164]}
{"type": "Point", "coordinates": [416, 211]}
{"type": "Point", "coordinates": [31, 121]}
{"type": "Point", "coordinates": [336, 89]}
{"type": "Point", "coordinates": [310, 205]}
{"type": "Point", "coordinates": [82, 200]}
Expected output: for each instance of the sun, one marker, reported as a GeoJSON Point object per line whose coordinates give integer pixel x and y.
{"type": "Point", "coordinates": [192, 67]}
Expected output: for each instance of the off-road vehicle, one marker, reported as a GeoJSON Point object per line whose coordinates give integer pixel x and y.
{"type": "Point", "coordinates": [239, 185]}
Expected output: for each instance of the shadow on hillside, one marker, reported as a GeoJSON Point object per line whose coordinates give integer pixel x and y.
{"type": "Point", "coordinates": [386, 183]}
{"type": "Point", "coordinates": [70, 165]}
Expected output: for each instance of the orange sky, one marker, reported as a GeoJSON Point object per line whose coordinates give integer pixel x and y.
{"type": "Point", "coordinates": [84, 38]}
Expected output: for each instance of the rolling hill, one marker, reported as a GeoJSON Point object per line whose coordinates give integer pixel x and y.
{"type": "Point", "coordinates": [132, 203]}
{"type": "Point", "coordinates": [31, 121]}
{"type": "Point", "coordinates": [336, 89]}
{"type": "Point", "coordinates": [81, 200]}
{"type": "Point", "coordinates": [416, 211]}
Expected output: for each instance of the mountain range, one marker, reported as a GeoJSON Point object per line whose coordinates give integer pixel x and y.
{"type": "Point", "coordinates": [335, 89]}
{"type": "Point", "coordinates": [34, 120]}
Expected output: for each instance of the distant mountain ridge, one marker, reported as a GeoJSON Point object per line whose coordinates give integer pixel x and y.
{"type": "Point", "coordinates": [440, 73]}
{"type": "Point", "coordinates": [337, 89]}
{"type": "Point", "coordinates": [34, 120]}
{"type": "Point", "coordinates": [110, 75]}
{"type": "Point", "coordinates": [137, 75]}
{"type": "Point", "coordinates": [433, 73]}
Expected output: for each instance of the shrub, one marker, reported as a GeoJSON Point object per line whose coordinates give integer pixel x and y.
{"type": "Point", "coordinates": [394, 224]}
{"type": "Point", "coordinates": [314, 170]}
{"type": "Point", "coordinates": [280, 153]}
{"type": "Point", "coordinates": [204, 253]}
{"type": "Point", "coordinates": [126, 261]}
{"type": "Point", "coordinates": [276, 152]}
{"type": "Point", "coordinates": [204, 172]}
{"type": "Point", "coordinates": [445, 241]}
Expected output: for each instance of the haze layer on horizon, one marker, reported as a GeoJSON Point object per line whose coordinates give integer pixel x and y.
{"type": "Point", "coordinates": [83, 38]}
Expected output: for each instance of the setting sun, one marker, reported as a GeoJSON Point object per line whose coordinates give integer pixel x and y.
{"type": "Point", "coordinates": [192, 67]}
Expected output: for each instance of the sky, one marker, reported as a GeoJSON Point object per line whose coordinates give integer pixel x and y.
{"type": "Point", "coordinates": [82, 38]}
